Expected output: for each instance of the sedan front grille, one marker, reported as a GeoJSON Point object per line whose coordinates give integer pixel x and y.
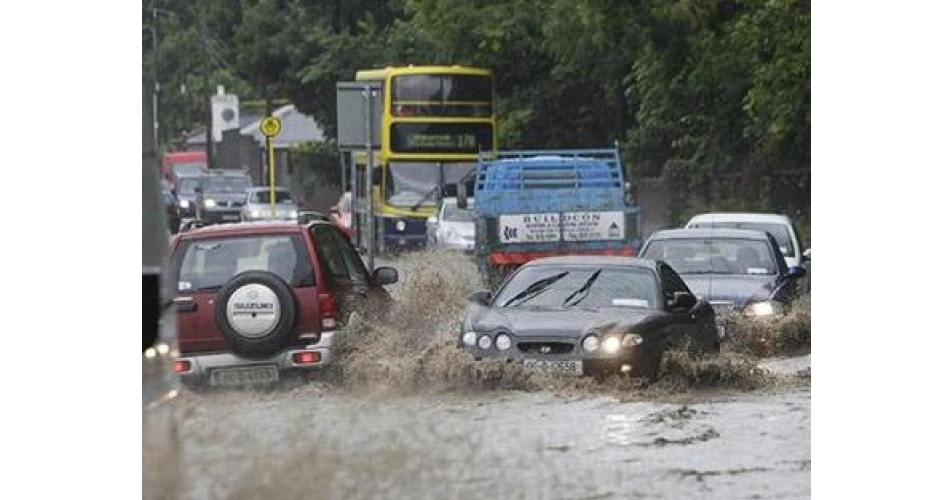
{"type": "Point", "coordinates": [546, 347]}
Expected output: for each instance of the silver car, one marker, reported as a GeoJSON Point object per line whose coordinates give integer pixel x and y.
{"type": "Point", "coordinates": [452, 227]}
{"type": "Point", "coordinates": [258, 205]}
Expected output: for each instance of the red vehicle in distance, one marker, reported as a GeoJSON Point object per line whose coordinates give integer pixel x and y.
{"type": "Point", "coordinates": [183, 162]}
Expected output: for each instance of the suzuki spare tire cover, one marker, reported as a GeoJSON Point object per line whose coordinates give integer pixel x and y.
{"type": "Point", "coordinates": [256, 313]}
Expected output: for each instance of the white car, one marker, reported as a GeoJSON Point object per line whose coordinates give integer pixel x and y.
{"type": "Point", "coordinates": [258, 205]}
{"type": "Point", "coordinates": [452, 227]}
{"type": "Point", "coordinates": [780, 226]}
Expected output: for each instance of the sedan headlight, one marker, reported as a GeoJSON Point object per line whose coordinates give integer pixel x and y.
{"type": "Point", "coordinates": [485, 342]}
{"type": "Point", "coordinates": [590, 343]}
{"type": "Point", "coordinates": [401, 226]}
{"type": "Point", "coordinates": [762, 309]}
{"type": "Point", "coordinates": [503, 342]}
{"type": "Point", "coordinates": [209, 203]}
{"type": "Point", "coordinates": [611, 345]}
{"type": "Point", "coordinates": [256, 213]}
{"type": "Point", "coordinates": [183, 203]}
{"type": "Point", "coordinates": [293, 214]}
{"type": "Point", "coordinates": [469, 338]}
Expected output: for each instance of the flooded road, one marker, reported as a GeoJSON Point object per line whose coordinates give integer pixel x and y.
{"type": "Point", "coordinates": [387, 434]}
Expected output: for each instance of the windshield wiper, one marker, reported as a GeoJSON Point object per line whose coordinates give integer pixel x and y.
{"type": "Point", "coordinates": [582, 292]}
{"type": "Point", "coordinates": [535, 288]}
{"type": "Point", "coordinates": [419, 202]}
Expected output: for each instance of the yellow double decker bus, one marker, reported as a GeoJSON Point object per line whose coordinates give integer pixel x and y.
{"type": "Point", "coordinates": [436, 120]}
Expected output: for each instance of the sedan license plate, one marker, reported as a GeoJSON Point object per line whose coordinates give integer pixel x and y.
{"type": "Point", "coordinates": [562, 367]}
{"type": "Point", "coordinates": [245, 376]}
{"type": "Point", "coordinates": [230, 217]}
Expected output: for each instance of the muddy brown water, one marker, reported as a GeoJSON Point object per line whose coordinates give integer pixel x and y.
{"type": "Point", "coordinates": [373, 431]}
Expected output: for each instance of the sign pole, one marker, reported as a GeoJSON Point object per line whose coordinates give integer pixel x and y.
{"type": "Point", "coordinates": [368, 185]}
{"type": "Point", "coordinates": [270, 143]}
{"type": "Point", "coordinates": [271, 127]}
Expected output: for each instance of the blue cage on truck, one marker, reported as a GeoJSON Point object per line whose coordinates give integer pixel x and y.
{"type": "Point", "coordinates": [532, 204]}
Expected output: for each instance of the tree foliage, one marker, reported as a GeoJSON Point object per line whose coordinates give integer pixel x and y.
{"type": "Point", "coordinates": [696, 90]}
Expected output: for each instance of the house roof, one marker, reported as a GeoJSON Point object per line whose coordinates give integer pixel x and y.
{"type": "Point", "coordinates": [296, 128]}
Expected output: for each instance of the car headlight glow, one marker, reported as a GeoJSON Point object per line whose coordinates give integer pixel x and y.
{"type": "Point", "coordinates": [590, 343]}
{"type": "Point", "coordinates": [611, 345]}
{"type": "Point", "coordinates": [293, 213]}
{"type": "Point", "coordinates": [631, 340]}
{"type": "Point", "coordinates": [503, 342]}
{"type": "Point", "coordinates": [401, 226]}
{"type": "Point", "coordinates": [469, 338]}
{"type": "Point", "coordinates": [209, 203]}
{"type": "Point", "coordinates": [485, 342]}
{"type": "Point", "coordinates": [761, 309]}
{"type": "Point", "coordinates": [183, 203]}
{"type": "Point", "coordinates": [256, 213]}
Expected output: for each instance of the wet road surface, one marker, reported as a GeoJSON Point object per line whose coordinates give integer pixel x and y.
{"type": "Point", "coordinates": [323, 441]}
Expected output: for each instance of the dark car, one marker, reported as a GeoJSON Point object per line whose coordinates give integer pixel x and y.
{"type": "Point", "coordinates": [733, 269]}
{"type": "Point", "coordinates": [173, 211]}
{"type": "Point", "coordinates": [185, 188]}
{"type": "Point", "coordinates": [258, 299]}
{"type": "Point", "coordinates": [222, 194]}
{"type": "Point", "coordinates": [588, 315]}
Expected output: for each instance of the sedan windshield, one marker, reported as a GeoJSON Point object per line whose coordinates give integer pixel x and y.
{"type": "Point", "coordinates": [225, 184]}
{"type": "Point", "coordinates": [778, 231]}
{"type": "Point", "coordinates": [188, 168]}
{"type": "Point", "coordinates": [452, 213]}
{"type": "Point", "coordinates": [580, 286]}
{"type": "Point", "coordinates": [264, 196]}
{"type": "Point", "coordinates": [714, 255]}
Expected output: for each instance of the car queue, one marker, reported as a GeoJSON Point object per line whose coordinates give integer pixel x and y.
{"type": "Point", "coordinates": [265, 297]}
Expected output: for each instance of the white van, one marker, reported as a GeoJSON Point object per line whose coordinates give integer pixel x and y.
{"type": "Point", "coordinates": [780, 226]}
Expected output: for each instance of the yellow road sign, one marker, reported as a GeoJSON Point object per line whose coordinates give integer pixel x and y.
{"type": "Point", "coordinates": [270, 126]}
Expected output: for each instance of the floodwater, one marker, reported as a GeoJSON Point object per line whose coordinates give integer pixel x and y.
{"type": "Point", "coordinates": [406, 416]}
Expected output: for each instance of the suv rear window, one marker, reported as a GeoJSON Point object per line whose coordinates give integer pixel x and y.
{"type": "Point", "coordinates": [209, 263]}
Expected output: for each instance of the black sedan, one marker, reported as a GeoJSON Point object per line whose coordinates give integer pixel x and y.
{"type": "Point", "coordinates": [735, 270]}
{"type": "Point", "coordinates": [588, 315]}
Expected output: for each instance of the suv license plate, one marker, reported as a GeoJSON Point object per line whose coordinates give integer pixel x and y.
{"type": "Point", "coordinates": [563, 367]}
{"type": "Point", "coordinates": [245, 376]}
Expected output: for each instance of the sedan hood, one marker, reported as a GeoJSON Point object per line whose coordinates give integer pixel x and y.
{"type": "Point", "coordinates": [225, 196]}
{"type": "Point", "coordinates": [461, 228]}
{"type": "Point", "coordinates": [279, 208]}
{"type": "Point", "coordinates": [569, 323]}
{"type": "Point", "coordinates": [739, 290]}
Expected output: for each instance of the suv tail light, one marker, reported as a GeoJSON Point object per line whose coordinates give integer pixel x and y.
{"type": "Point", "coordinates": [306, 357]}
{"type": "Point", "coordinates": [329, 313]}
{"type": "Point", "coordinates": [182, 366]}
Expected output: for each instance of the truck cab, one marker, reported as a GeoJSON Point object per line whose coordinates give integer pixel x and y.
{"type": "Point", "coordinates": [533, 204]}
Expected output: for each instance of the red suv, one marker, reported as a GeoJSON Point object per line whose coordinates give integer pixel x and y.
{"type": "Point", "coordinates": [258, 299]}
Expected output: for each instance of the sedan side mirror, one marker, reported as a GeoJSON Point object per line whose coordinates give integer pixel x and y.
{"type": "Point", "coordinates": [481, 298]}
{"type": "Point", "coordinates": [199, 190]}
{"type": "Point", "coordinates": [682, 300]}
{"type": "Point", "coordinates": [385, 276]}
{"type": "Point", "coordinates": [806, 254]}
{"type": "Point", "coordinates": [796, 272]}
{"type": "Point", "coordinates": [335, 210]}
